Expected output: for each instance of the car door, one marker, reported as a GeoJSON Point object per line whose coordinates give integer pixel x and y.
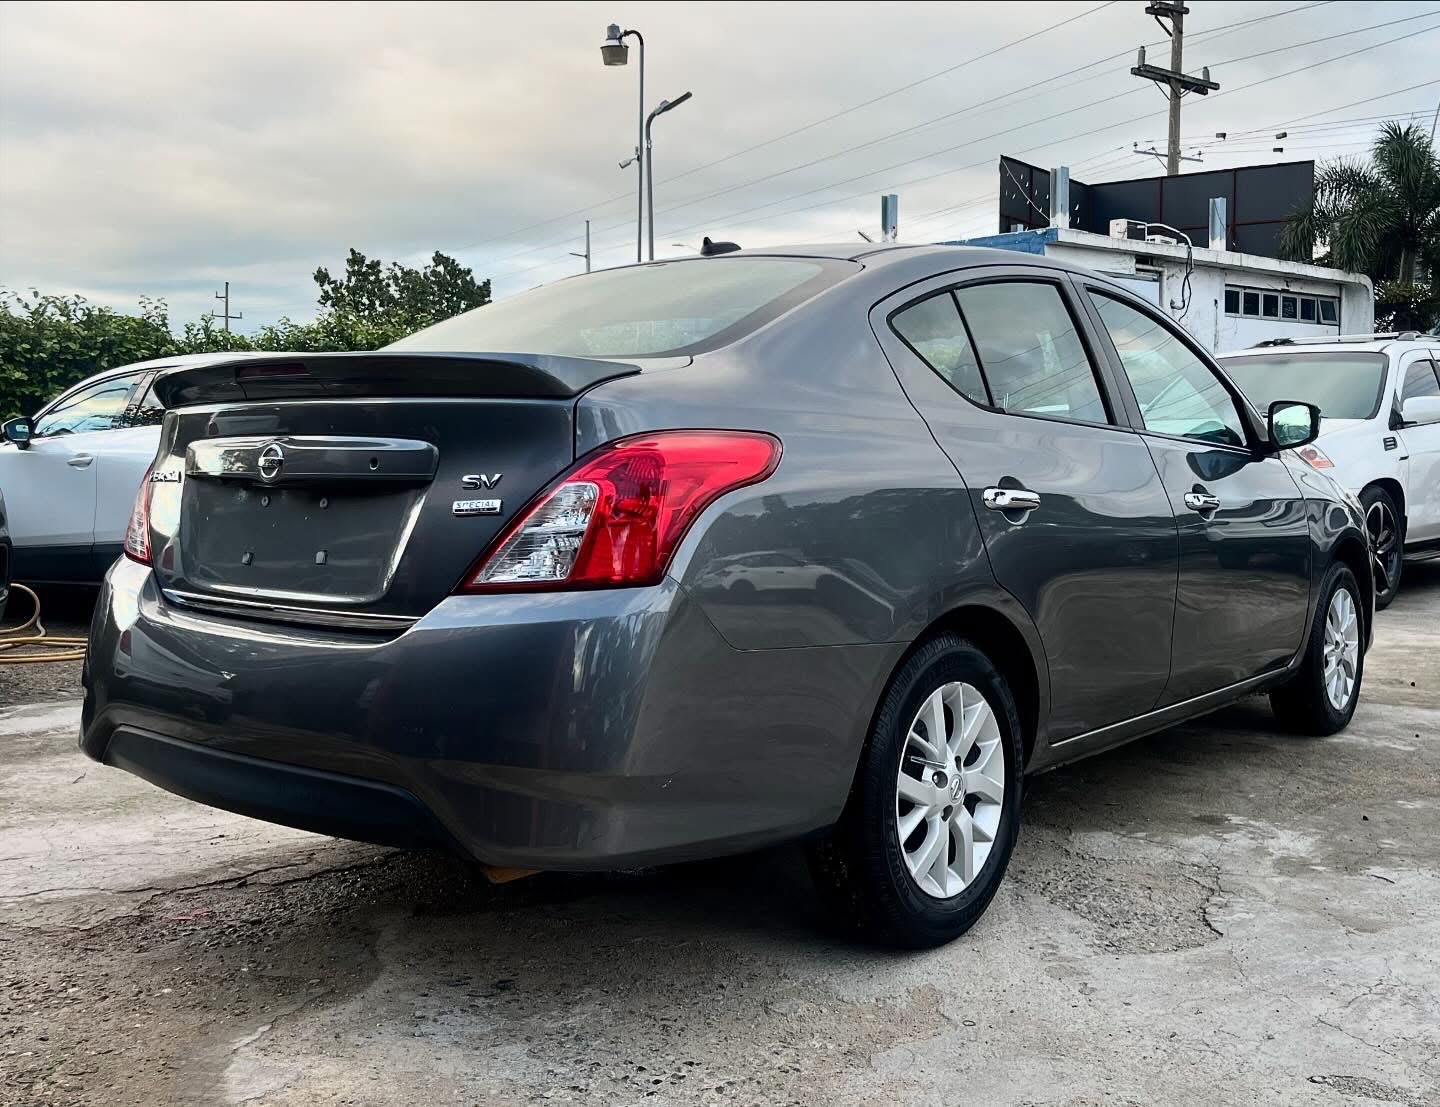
{"type": "Point", "coordinates": [1073, 514]}
{"type": "Point", "coordinates": [1243, 596]}
{"type": "Point", "coordinates": [50, 488]}
{"type": "Point", "coordinates": [1421, 441]}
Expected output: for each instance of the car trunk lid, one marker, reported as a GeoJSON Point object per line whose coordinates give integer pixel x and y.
{"type": "Point", "coordinates": [351, 489]}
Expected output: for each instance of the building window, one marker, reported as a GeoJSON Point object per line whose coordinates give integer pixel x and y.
{"type": "Point", "coordinates": [1260, 303]}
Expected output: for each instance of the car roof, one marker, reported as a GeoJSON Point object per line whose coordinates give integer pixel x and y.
{"type": "Point", "coordinates": [881, 253]}
{"type": "Point", "coordinates": [1381, 343]}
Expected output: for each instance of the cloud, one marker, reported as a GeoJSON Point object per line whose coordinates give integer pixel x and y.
{"type": "Point", "coordinates": [161, 149]}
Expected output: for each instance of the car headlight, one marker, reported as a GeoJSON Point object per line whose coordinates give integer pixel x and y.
{"type": "Point", "coordinates": [1315, 457]}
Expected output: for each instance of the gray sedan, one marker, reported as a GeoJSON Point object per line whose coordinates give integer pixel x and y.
{"type": "Point", "coordinates": [682, 559]}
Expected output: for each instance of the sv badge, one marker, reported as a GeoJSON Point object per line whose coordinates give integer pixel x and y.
{"type": "Point", "coordinates": [476, 481]}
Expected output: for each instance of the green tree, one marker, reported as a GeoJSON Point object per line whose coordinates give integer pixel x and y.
{"type": "Point", "coordinates": [397, 298]}
{"type": "Point", "coordinates": [47, 343]}
{"type": "Point", "coordinates": [1380, 217]}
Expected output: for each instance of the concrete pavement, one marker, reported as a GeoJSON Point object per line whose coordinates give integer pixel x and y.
{"type": "Point", "coordinates": [1216, 914]}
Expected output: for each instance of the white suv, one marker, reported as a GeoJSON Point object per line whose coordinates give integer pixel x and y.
{"type": "Point", "coordinates": [1379, 395]}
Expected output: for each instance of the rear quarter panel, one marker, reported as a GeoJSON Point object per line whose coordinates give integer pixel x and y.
{"type": "Point", "coordinates": [822, 577]}
{"type": "Point", "coordinates": [865, 532]}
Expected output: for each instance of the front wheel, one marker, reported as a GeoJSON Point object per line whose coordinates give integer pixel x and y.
{"type": "Point", "coordinates": [1387, 543]}
{"type": "Point", "coordinates": [935, 809]}
{"type": "Point", "coordinates": [1320, 699]}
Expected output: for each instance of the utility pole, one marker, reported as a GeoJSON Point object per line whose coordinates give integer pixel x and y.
{"type": "Point", "coordinates": [1174, 79]}
{"type": "Point", "coordinates": [890, 217]}
{"type": "Point", "coordinates": [227, 316]}
{"type": "Point", "coordinates": [586, 254]}
{"type": "Point", "coordinates": [1154, 153]}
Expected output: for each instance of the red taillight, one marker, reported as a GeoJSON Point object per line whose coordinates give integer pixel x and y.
{"type": "Point", "coordinates": [137, 534]}
{"type": "Point", "coordinates": [617, 517]}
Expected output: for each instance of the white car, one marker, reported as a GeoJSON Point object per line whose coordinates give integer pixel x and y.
{"type": "Point", "coordinates": [69, 474]}
{"type": "Point", "coordinates": [4, 558]}
{"type": "Point", "coordinates": [1379, 396]}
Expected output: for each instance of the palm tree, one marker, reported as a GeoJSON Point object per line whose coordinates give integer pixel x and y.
{"type": "Point", "coordinates": [1380, 218]}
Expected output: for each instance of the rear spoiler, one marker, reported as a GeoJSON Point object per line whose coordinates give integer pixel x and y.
{"type": "Point", "coordinates": [401, 373]}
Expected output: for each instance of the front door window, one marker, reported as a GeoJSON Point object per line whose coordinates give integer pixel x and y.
{"type": "Point", "coordinates": [1176, 391]}
{"type": "Point", "coordinates": [96, 407]}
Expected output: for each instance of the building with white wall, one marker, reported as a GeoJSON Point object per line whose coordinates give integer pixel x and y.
{"type": "Point", "coordinates": [1232, 300]}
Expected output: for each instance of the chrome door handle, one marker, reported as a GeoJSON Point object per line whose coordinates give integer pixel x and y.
{"type": "Point", "coordinates": [1010, 499]}
{"type": "Point", "coordinates": [79, 461]}
{"type": "Point", "coordinates": [1201, 501]}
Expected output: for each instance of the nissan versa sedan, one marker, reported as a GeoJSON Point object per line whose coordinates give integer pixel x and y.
{"type": "Point", "coordinates": [682, 559]}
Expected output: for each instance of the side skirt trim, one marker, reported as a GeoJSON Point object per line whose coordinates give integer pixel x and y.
{"type": "Point", "coordinates": [1116, 734]}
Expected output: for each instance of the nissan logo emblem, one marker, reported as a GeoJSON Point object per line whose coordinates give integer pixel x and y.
{"type": "Point", "coordinates": [270, 461]}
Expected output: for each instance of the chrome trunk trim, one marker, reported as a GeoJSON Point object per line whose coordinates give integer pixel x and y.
{"type": "Point", "coordinates": [281, 613]}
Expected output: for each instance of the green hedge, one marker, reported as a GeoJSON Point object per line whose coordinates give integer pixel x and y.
{"type": "Point", "coordinates": [47, 342]}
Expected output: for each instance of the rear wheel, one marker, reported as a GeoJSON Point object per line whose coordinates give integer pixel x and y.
{"type": "Point", "coordinates": [1387, 543]}
{"type": "Point", "coordinates": [1320, 699]}
{"type": "Point", "coordinates": [935, 810]}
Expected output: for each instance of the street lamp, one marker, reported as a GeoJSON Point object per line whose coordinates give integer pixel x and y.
{"type": "Point", "coordinates": [665, 105]}
{"type": "Point", "coordinates": [614, 51]}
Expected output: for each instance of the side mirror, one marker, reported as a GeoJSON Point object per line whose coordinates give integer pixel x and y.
{"type": "Point", "coordinates": [1420, 409]}
{"type": "Point", "coordinates": [1292, 423]}
{"type": "Point", "coordinates": [18, 431]}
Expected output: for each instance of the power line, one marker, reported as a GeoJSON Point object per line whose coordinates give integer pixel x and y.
{"type": "Point", "coordinates": [814, 123]}
{"type": "Point", "coordinates": [1083, 134]}
{"type": "Point", "coordinates": [974, 107]}
{"type": "Point", "coordinates": [986, 103]}
{"type": "Point", "coordinates": [985, 198]}
{"type": "Point", "coordinates": [1176, 84]}
{"type": "Point", "coordinates": [1208, 140]}
{"type": "Point", "coordinates": [1214, 33]}
{"type": "Point", "coordinates": [1011, 129]}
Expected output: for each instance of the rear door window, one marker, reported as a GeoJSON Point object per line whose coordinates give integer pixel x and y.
{"type": "Point", "coordinates": [1030, 351]}
{"type": "Point", "coordinates": [1420, 381]}
{"type": "Point", "coordinates": [934, 330]}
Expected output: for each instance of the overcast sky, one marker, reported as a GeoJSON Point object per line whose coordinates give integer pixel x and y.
{"type": "Point", "coordinates": [160, 149]}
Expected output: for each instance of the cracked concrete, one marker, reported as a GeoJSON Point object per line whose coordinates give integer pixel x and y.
{"type": "Point", "coordinates": [1218, 913]}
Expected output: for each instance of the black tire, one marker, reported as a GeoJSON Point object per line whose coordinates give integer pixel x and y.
{"type": "Point", "coordinates": [1302, 704]}
{"type": "Point", "coordinates": [859, 867]}
{"type": "Point", "coordinates": [1387, 542]}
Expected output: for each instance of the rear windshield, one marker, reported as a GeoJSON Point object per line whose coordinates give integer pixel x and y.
{"type": "Point", "coordinates": [1343, 385]}
{"type": "Point", "coordinates": [665, 308]}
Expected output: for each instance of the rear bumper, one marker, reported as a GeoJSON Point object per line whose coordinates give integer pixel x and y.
{"type": "Point", "coordinates": [327, 803]}
{"type": "Point", "coordinates": [565, 731]}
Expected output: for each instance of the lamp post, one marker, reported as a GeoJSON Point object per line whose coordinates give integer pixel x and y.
{"type": "Point", "coordinates": [665, 105]}
{"type": "Point", "coordinates": [614, 51]}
